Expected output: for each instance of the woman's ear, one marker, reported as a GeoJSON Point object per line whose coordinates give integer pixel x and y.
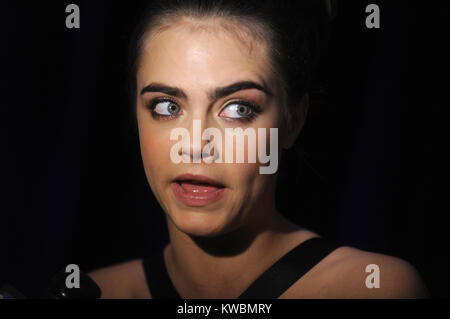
{"type": "Point", "coordinates": [298, 119]}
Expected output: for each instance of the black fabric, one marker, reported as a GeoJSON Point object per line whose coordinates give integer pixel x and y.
{"type": "Point", "coordinates": [270, 285]}
{"type": "Point", "coordinates": [158, 280]}
{"type": "Point", "coordinates": [289, 269]}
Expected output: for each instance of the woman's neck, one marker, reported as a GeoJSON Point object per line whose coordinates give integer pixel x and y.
{"type": "Point", "coordinates": [224, 266]}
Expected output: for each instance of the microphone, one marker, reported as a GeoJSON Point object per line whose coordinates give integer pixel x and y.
{"type": "Point", "coordinates": [9, 292]}
{"type": "Point", "coordinates": [57, 288]}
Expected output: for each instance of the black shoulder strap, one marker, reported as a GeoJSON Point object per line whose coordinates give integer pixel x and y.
{"type": "Point", "coordinates": [158, 279]}
{"type": "Point", "coordinates": [289, 269]}
{"type": "Point", "coordinates": [270, 285]}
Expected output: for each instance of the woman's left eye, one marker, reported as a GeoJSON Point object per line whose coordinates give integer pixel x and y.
{"type": "Point", "coordinates": [240, 110]}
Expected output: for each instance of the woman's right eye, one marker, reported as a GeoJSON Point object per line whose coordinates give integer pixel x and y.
{"type": "Point", "coordinates": [165, 108]}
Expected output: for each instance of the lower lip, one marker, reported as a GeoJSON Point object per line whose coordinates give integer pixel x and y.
{"type": "Point", "coordinates": [197, 195]}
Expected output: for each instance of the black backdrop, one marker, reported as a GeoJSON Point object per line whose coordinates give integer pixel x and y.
{"type": "Point", "coordinates": [373, 171]}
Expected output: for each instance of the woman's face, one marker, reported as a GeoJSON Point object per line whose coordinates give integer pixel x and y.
{"type": "Point", "coordinates": [198, 63]}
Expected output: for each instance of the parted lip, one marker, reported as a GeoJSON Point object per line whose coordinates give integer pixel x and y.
{"type": "Point", "coordinates": [198, 179]}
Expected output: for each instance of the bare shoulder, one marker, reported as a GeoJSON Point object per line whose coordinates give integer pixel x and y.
{"type": "Point", "coordinates": [122, 281]}
{"type": "Point", "coordinates": [374, 275]}
{"type": "Point", "coordinates": [352, 273]}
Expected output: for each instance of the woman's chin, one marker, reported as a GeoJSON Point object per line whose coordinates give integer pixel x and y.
{"type": "Point", "coordinates": [199, 224]}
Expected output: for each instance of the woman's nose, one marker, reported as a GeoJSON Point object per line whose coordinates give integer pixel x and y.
{"type": "Point", "coordinates": [195, 151]}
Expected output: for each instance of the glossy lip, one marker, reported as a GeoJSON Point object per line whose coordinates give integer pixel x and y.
{"type": "Point", "coordinates": [198, 179]}
{"type": "Point", "coordinates": [197, 199]}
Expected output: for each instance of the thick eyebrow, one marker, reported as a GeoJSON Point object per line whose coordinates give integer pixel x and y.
{"type": "Point", "coordinates": [236, 87]}
{"type": "Point", "coordinates": [215, 95]}
{"type": "Point", "coordinates": [161, 88]}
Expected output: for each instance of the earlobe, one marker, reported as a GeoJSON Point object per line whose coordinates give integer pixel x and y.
{"type": "Point", "coordinates": [298, 119]}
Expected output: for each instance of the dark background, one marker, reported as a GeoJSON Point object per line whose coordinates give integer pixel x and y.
{"type": "Point", "coordinates": [373, 171]}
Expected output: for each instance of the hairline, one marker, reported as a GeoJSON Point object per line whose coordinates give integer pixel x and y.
{"type": "Point", "coordinates": [252, 27]}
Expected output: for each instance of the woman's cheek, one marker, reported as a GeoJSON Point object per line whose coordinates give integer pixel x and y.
{"type": "Point", "coordinates": [156, 144]}
{"type": "Point", "coordinates": [155, 154]}
{"type": "Point", "coordinates": [244, 174]}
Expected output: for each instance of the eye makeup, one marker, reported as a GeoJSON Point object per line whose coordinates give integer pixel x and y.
{"type": "Point", "coordinates": [153, 104]}
{"type": "Point", "coordinates": [174, 110]}
{"type": "Point", "coordinates": [255, 110]}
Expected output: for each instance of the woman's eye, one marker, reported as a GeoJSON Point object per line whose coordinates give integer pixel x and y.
{"type": "Point", "coordinates": [239, 110]}
{"type": "Point", "coordinates": [165, 108]}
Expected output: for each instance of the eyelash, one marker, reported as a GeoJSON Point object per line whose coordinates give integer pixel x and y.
{"type": "Point", "coordinates": [152, 105]}
{"type": "Point", "coordinates": [255, 109]}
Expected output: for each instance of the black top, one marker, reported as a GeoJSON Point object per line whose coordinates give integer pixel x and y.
{"type": "Point", "coordinates": [270, 285]}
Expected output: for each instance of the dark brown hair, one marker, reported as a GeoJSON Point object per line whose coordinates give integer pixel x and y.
{"type": "Point", "coordinates": [290, 29]}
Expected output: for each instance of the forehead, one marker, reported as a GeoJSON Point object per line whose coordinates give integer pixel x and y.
{"type": "Point", "coordinates": [187, 53]}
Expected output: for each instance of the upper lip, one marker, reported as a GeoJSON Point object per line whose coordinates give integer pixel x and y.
{"type": "Point", "coordinates": [201, 179]}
